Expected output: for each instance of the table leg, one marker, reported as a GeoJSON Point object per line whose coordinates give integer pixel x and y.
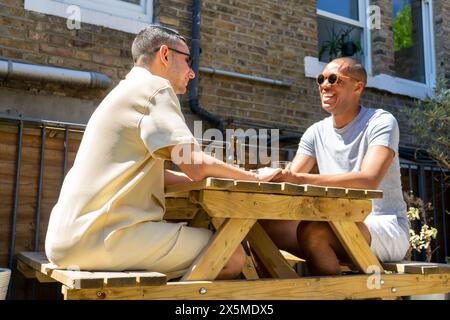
{"type": "Point", "coordinates": [269, 254]}
{"type": "Point", "coordinates": [221, 247]}
{"type": "Point", "coordinates": [356, 246]}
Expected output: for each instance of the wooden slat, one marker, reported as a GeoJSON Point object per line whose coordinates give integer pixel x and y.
{"type": "Point", "coordinates": [307, 190]}
{"type": "Point", "coordinates": [269, 254]}
{"type": "Point", "coordinates": [222, 246]}
{"type": "Point", "coordinates": [355, 193]}
{"type": "Point", "coordinates": [417, 267]}
{"type": "Point", "coordinates": [249, 270]}
{"type": "Point", "coordinates": [355, 245]}
{"type": "Point", "coordinates": [273, 188]}
{"type": "Point", "coordinates": [314, 288]}
{"type": "Point", "coordinates": [26, 270]}
{"type": "Point", "coordinates": [224, 204]}
{"type": "Point", "coordinates": [180, 209]}
{"type": "Point", "coordinates": [87, 279]}
{"type": "Point", "coordinates": [336, 192]}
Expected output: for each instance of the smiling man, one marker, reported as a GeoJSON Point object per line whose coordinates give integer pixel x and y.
{"type": "Point", "coordinates": [109, 215]}
{"type": "Point", "coordinates": [354, 147]}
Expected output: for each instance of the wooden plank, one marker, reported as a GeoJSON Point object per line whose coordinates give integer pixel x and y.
{"type": "Point", "coordinates": [249, 270]}
{"type": "Point", "coordinates": [336, 192]}
{"type": "Point", "coordinates": [201, 220]}
{"type": "Point", "coordinates": [217, 253]}
{"type": "Point", "coordinates": [356, 246]}
{"type": "Point", "coordinates": [254, 186]}
{"type": "Point", "coordinates": [180, 209]}
{"type": "Point", "coordinates": [26, 270]}
{"type": "Point", "coordinates": [304, 189]}
{"type": "Point", "coordinates": [268, 253]}
{"type": "Point", "coordinates": [86, 279]}
{"type": "Point", "coordinates": [309, 288]}
{"type": "Point", "coordinates": [417, 267]}
{"type": "Point", "coordinates": [356, 193]}
{"type": "Point", "coordinates": [210, 183]}
{"type": "Point", "coordinates": [281, 207]}
{"type": "Point", "coordinates": [42, 278]}
{"type": "Point", "coordinates": [273, 188]}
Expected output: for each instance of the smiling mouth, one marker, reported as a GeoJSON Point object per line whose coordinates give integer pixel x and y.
{"type": "Point", "coordinates": [328, 97]}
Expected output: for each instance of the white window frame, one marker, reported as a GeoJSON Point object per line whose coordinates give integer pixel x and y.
{"type": "Point", "coordinates": [382, 81]}
{"type": "Point", "coordinates": [114, 14]}
{"type": "Point", "coordinates": [355, 23]}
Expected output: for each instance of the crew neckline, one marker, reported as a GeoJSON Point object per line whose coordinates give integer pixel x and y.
{"type": "Point", "coordinates": [344, 129]}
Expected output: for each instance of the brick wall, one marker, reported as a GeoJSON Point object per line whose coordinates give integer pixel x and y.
{"type": "Point", "coordinates": [262, 38]}
{"type": "Point", "coordinates": [271, 39]}
{"type": "Point", "coordinates": [43, 39]}
{"type": "Point", "coordinates": [383, 41]}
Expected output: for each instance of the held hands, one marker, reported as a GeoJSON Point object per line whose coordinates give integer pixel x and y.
{"type": "Point", "coordinates": [268, 174]}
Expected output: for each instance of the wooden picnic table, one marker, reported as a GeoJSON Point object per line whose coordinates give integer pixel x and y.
{"type": "Point", "coordinates": [233, 208]}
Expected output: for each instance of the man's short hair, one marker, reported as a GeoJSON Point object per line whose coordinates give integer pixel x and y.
{"type": "Point", "coordinates": [153, 37]}
{"type": "Point", "coordinates": [352, 67]}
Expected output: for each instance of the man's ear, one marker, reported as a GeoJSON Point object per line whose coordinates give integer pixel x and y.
{"type": "Point", "coordinates": [163, 54]}
{"type": "Point", "coordinates": [359, 87]}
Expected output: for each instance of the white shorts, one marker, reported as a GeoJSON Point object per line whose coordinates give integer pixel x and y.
{"type": "Point", "coordinates": [390, 236]}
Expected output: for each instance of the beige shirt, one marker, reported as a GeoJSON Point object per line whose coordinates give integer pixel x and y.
{"type": "Point", "coordinates": [117, 180]}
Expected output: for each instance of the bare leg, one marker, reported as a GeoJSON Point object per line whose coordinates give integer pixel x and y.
{"type": "Point", "coordinates": [320, 247]}
{"type": "Point", "coordinates": [283, 233]}
{"type": "Point", "coordinates": [234, 266]}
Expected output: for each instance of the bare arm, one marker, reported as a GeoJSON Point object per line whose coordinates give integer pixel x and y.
{"type": "Point", "coordinates": [175, 177]}
{"type": "Point", "coordinates": [197, 166]}
{"type": "Point", "coordinates": [375, 164]}
{"type": "Point", "coordinates": [303, 163]}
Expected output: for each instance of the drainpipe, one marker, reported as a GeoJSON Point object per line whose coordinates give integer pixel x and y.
{"type": "Point", "coordinates": [194, 103]}
{"type": "Point", "coordinates": [13, 70]}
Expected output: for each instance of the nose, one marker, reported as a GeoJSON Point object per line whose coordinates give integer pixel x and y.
{"type": "Point", "coordinates": [326, 84]}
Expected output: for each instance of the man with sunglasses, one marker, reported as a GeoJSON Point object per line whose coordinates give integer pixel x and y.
{"type": "Point", "coordinates": [356, 147]}
{"type": "Point", "coordinates": [109, 215]}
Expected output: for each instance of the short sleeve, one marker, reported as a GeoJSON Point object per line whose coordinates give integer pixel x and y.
{"type": "Point", "coordinates": [164, 125]}
{"type": "Point", "coordinates": [307, 143]}
{"type": "Point", "coordinates": [384, 131]}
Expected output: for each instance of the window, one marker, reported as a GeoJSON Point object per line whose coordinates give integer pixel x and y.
{"type": "Point", "coordinates": [340, 29]}
{"type": "Point", "coordinates": [407, 29]}
{"type": "Point", "coordinates": [414, 74]}
{"type": "Point", "coordinates": [126, 15]}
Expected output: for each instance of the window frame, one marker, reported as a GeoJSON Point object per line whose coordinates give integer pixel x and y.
{"type": "Point", "coordinates": [382, 81]}
{"type": "Point", "coordinates": [362, 5]}
{"type": "Point", "coordinates": [114, 14]}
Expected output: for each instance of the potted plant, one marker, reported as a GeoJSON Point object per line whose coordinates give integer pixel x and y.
{"type": "Point", "coordinates": [5, 275]}
{"type": "Point", "coordinates": [417, 213]}
{"type": "Point", "coordinates": [340, 45]}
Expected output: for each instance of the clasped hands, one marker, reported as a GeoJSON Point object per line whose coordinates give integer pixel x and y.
{"type": "Point", "coordinates": [267, 174]}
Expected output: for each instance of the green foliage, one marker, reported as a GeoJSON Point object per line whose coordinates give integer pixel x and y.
{"type": "Point", "coordinates": [340, 44]}
{"type": "Point", "coordinates": [402, 28]}
{"type": "Point", "coordinates": [430, 122]}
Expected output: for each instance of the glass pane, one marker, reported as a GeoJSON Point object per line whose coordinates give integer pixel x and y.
{"type": "Point", "coordinates": [337, 39]}
{"type": "Point", "coordinates": [345, 8]}
{"type": "Point", "coordinates": [407, 30]}
{"type": "Point", "coordinates": [138, 2]}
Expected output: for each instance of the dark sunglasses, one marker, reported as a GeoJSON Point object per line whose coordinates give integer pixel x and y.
{"type": "Point", "coordinates": [189, 61]}
{"type": "Point", "coordinates": [332, 78]}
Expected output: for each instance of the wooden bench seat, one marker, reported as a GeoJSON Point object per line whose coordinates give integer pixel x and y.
{"type": "Point", "coordinates": [36, 264]}
{"type": "Point", "coordinates": [417, 267]}
{"type": "Point", "coordinates": [433, 278]}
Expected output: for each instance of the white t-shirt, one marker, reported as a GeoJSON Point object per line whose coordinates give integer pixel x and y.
{"type": "Point", "coordinates": [343, 150]}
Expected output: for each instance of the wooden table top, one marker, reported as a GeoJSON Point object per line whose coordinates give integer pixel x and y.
{"type": "Point", "coordinates": [273, 188]}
